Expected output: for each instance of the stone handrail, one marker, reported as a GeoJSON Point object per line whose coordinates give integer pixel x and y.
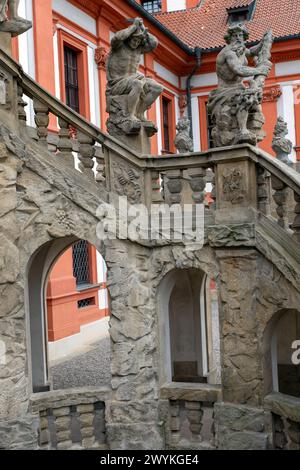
{"type": "Point", "coordinates": [285, 411]}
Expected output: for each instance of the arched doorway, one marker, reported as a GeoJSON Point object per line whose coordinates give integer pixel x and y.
{"type": "Point", "coordinates": [189, 327]}
{"type": "Point", "coordinates": [67, 298]}
{"type": "Point", "coordinates": [281, 367]}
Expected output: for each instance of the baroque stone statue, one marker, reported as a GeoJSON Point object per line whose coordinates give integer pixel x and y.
{"type": "Point", "coordinates": [280, 144]}
{"type": "Point", "coordinates": [235, 108]}
{"type": "Point", "coordinates": [183, 141]}
{"type": "Point", "coordinates": [13, 24]}
{"type": "Point", "coordinates": [129, 93]}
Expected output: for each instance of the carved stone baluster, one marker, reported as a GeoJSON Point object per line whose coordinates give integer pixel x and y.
{"type": "Point", "coordinates": [41, 119]}
{"type": "Point", "coordinates": [296, 223]}
{"type": "Point", "coordinates": [197, 182]}
{"type": "Point", "coordinates": [156, 187]}
{"type": "Point", "coordinates": [263, 191]}
{"type": "Point", "coordinates": [280, 197]}
{"type": "Point", "coordinates": [173, 182]}
{"type": "Point", "coordinates": [21, 106]}
{"type": "Point", "coordinates": [86, 154]}
{"type": "Point", "coordinates": [86, 419]}
{"type": "Point", "coordinates": [63, 427]}
{"type": "Point", "coordinates": [100, 168]}
{"type": "Point", "coordinates": [175, 421]}
{"type": "Point", "coordinates": [194, 416]}
{"type": "Point", "coordinates": [44, 435]}
{"type": "Point", "coordinates": [64, 143]}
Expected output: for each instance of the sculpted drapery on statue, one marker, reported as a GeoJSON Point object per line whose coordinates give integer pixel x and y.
{"type": "Point", "coordinates": [129, 93]}
{"type": "Point", "coordinates": [234, 107]}
{"type": "Point", "coordinates": [13, 24]}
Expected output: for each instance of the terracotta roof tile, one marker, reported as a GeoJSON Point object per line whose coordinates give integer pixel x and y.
{"type": "Point", "coordinates": [204, 26]}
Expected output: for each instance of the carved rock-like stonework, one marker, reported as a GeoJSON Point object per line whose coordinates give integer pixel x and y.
{"type": "Point", "coordinates": [232, 235]}
{"type": "Point", "coordinates": [233, 187]}
{"type": "Point", "coordinates": [235, 108]}
{"type": "Point", "coordinates": [14, 25]}
{"type": "Point", "coordinates": [280, 144]}
{"type": "Point", "coordinates": [127, 182]}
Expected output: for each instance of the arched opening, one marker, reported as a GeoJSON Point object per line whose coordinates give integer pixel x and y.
{"type": "Point", "coordinates": [281, 341]}
{"type": "Point", "coordinates": [189, 327]}
{"type": "Point", "coordinates": [68, 313]}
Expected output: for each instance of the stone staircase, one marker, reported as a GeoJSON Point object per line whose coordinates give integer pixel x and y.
{"type": "Point", "coordinates": [251, 249]}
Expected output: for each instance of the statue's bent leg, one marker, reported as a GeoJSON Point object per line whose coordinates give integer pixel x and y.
{"type": "Point", "coordinates": [13, 7]}
{"type": "Point", "coordinates": [134, 97]}
{"type": "Point", "coordinates": [152, 91]}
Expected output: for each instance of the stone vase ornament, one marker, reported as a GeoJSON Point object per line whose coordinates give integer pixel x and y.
{"type": "Point", "coordinates": [235, 107]}
{"type": "Point", "coordinates": [12, 23]}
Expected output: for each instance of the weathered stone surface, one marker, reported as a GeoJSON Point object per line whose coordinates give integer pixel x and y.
{"type": "Point", "coordinates": [15, 25]}
{"type": "Point", "coordinates": [192, 392]}
{"type": "Point", "coordinates": [135, 436]}
{"type": "Point", "coordinates": [126, 117]}
{"type": "Point", "coordinates": [183, 141]}
{"type": "Point", "coordinates": [283, 405]}
{"type": "Point", "coordinates": [280, 144]}
{"type": "Point", "coordinates": [235, 109]}
{"type": "Point", "coordinates": [19, 434]}
{"type": "Point", "coordinates": [235, 235]}
{"type": "Point", "coordinates": [240, 427]}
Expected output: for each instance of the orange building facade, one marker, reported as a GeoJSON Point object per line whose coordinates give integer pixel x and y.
{"type": "Point", "coordinates": [71, 38]}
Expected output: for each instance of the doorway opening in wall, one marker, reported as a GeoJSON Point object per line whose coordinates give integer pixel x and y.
{"type": "Point", "coordinates": [285, 353]}
{"type": "Point", "coordinates": [68, 310]}
{"type": "Point", "coordinates": [190, 326]}
{"type": "Point", "coordinates": [77, 319]}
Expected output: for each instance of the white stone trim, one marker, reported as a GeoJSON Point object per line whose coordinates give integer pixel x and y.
{"type": "Point", "coordinates": [72, 13]}
{"type": "Point", "coordinates": [166, 74]}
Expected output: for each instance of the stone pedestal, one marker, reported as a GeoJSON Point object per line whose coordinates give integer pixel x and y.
{"type": "Point", "coordinates": [140, 141]}
{"type": "Point", "coordinates": [5, 42]}
{"type": "Point", "coordinates": [236, 190]}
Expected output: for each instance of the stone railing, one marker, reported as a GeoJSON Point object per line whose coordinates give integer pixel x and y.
{"type": "Point", "coordinates": [285, 411]}
{"type": "Point", "coordinates": [71, 419]}
{"type": "Point", "coordinates": [191, 420]}
{"type": "Point", "coordinates": [242, 181]}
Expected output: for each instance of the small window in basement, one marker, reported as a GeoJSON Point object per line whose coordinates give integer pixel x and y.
{"type": "Point", "coordinates": [152, 6]}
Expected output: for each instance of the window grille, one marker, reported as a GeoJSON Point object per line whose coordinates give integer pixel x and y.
{"type": "Point", "coordinates": [210, 126]}
{"type": "Point", "coordinates": [166, 123]}
{"type": "Point", "coordinates": [71, 78]}
{"type": "Point", "coordinates": [152, 6]}
{"type": "Point", "coordinates": [86, 302]}
{"type": "Point", "coordinates": [81, 263]}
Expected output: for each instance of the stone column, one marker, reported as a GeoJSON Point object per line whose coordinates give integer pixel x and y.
{"type": "Point", "coordinates": [133, 415]}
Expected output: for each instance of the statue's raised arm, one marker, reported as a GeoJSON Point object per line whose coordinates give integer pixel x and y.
{"type": "Point", "coordinates": [129, 93]}
{"type": "Point", "coordinates": [235, 107]}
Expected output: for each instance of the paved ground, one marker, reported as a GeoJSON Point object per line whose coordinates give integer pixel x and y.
{"type": "Point", "coordinates": [89, 368]}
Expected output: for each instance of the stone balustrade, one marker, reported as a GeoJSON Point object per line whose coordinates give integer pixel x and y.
{"type": "Point", "coordinates": [191, 422]}
{"type": "Point", "coordinates": [285, 411]}
{"type": "Point", "coordinates": [71, 419]}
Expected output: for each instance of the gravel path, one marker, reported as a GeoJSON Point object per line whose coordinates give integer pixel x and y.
{"type": "Point", "coordinates": [91, 368]}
